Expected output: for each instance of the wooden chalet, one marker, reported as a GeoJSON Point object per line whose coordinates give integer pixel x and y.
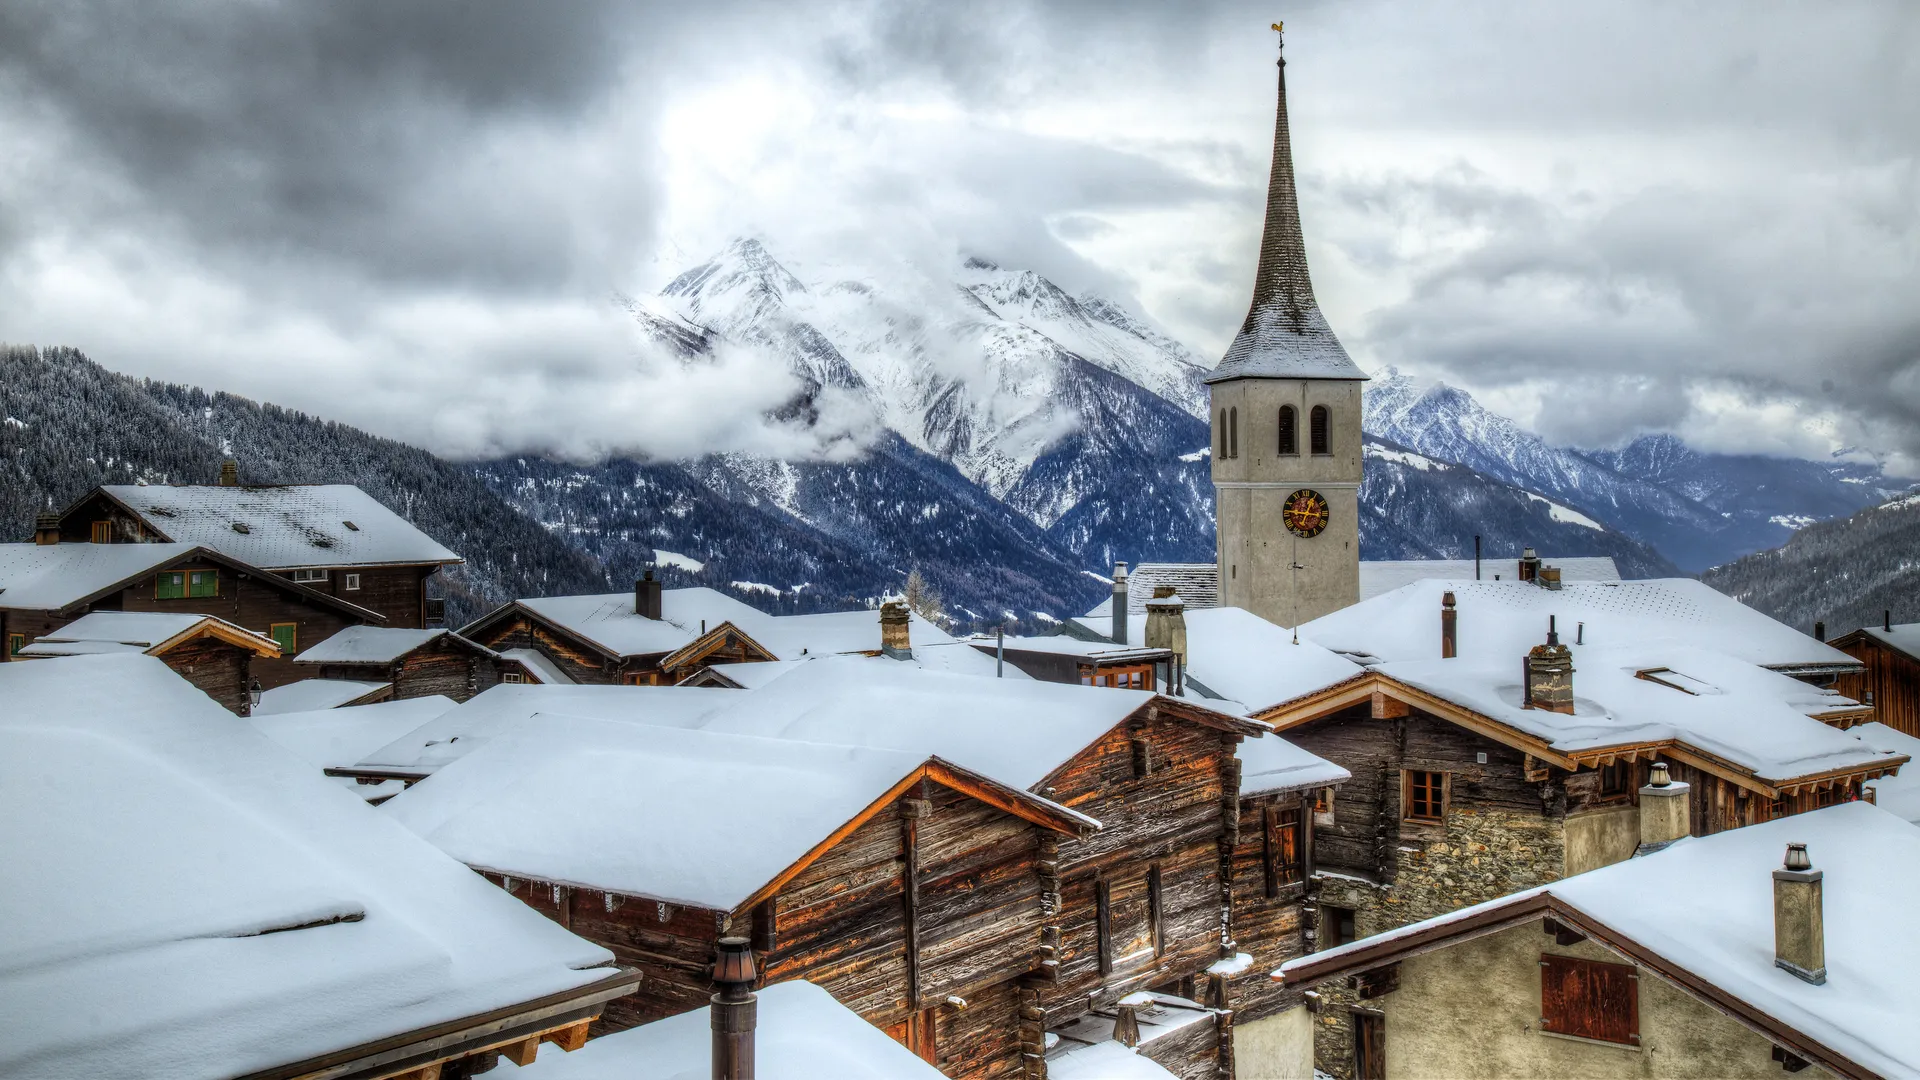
{"type": "Point", "coordinates": [45, 586]}
{"type": "Point", "coordinates": [653, 637]}
{"type": "Point", "coordinates": [412, 663]}
{"type": "Point", "coordinates": [1775, 949]}
{"type": "Point", "coordinates": [1889, 679]}
{"type": "Point", "coordinates": [332, 538]}
{"type": "Point", "coordinates": [212, 654]}
{"type": "Point", "coordinates": [241, 919]}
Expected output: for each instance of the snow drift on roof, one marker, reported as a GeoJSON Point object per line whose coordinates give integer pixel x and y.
{"type": "Point", "coordinates": [48, 577]}
{"type": "Point", "coordinates": [1271, 763]}
{"type": "Point", "coordinates": [1898, 795]}
{"type": "Point", "coordinates": [316, 525]}
{"type": "Point", "coordinates": [329, 737]}
{"type": "Point", "coordinates": [1904, 636]}
{"type": "Point", "coordinates": [307, 695]}
{"type": "Point", "coordinates": [372, 645]}
{"type": "Point", "coordinates": [144, 871]}
{"type": "Point", "coordinates": [610, 622]}
{"type": "Point", "coordinates": [1386, 575]}
{"type": "Point", "coordinates": [539, 666]}
{"type": "Point", "coordinates": [803, 1034]}
{"type": "Point", "coordinates": [1241, 656]}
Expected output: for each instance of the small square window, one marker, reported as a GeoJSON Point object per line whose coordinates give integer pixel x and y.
{"type": "Point", "coordinates": [1423, 796]}
{"type": "Point", "coordinates": [1616, 780]}
{"type": "Point", "coordinates": [353, 582]}
{"type": "Point", "coordinates": [171, 585]}
{"type": "Point", "coordinates": [16, 642]}
{"type": "Point", "coordinates": [1589, 999]}
{"type": "Point", "coordinates": [1323, 801]}
{"type": "Point", "coordinates": [1335, 926]}
{"type": "Point", "coordinates": [512, 677]}
{"type": "Point", "coordinates": [286, 634]}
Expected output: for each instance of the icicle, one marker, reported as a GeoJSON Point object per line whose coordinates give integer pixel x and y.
{"type": "Point", "coordinates": [665, 912]}
{"type": "Point", "coordinates": [556, 894]}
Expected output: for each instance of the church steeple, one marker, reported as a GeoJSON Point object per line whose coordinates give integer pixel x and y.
{"type": "Point", "coordinates": [1284, 335]}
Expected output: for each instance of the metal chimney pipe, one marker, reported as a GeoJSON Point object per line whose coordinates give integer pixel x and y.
{"type": "Point", "coordinates": [1120, 603]}
{"type": "Point", "coordinates": [1819, 631]}
{"type": "Point", "coordinates": [1449, 627]}
{"type": "Point", "coordinates": [735, 1010]}
{"type": "Point", "coordinates": [1476, 556]}
{"type": "Point", "coordinates": [1000, 654]}
{"type": "Point", "coordinates": [1886, 620]}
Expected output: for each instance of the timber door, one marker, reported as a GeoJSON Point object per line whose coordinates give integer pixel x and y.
{"type": "Point", "coordinates": [916, 1033]}
{"type": "Point", "coordinates": [1369, 1046]}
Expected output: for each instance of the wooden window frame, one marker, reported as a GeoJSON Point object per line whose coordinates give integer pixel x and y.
{"type": "Point", "coordinates": [352, 584]}
{"type": "Point", "coordinates": [512, 677]}
{"type": "Point", "coordinates": [1289, 441]}
{"type": "Point", "coordinates": [1407, 797]}
{"type": "Point", "coordinates": [1556, 1019]}
{"type": "Point", "coordinates": [15, 642]}
{"type": "Point", "coordinates": [1320, 431]}
{"type": "Point", "coordinates": [1620, 770]}
{"type": "Point", "coordinates": [292, 644]}
{"type": "Point", "coordinates": [212, 590]}
{"type": "Point", "coordinates": [1281, 828]}
{"type": "Point", "coordinates": [100, 532]}
{"type": "Point", "coordinates": [1323, 801]}
{"type": "Point", "coordinates": [166, 588]}
{"type": "Point", "coordinates": [1140, 753]}
{"type": "Point", "coordinates": [309, 576]}
{"type": "Point", "coordinates": [1369, 1045]}
{"type": "Point", "coordinates": [1329, 916]}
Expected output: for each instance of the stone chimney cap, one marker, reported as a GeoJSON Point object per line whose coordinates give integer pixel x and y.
{"type": "Point", "coordinates": [1797, 860]}
{"type": "Point", "coordinates": [1119, 571]}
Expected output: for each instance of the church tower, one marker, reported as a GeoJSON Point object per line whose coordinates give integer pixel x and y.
{"type": "Point", "coordinates": [1286, 432]}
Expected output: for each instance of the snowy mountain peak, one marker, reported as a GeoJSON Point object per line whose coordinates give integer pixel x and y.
{"type": "Point", "coordinates": [743, 280]}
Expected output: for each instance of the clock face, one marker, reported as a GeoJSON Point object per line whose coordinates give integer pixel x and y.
{"type": "Point", "coordinates": [1305, 513]}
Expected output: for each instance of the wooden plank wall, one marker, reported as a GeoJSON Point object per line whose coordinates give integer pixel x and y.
{"type": "Point", "coordinates": [581, 664]}
{"type": "Point", "coordinates": [398, 592]}
{"type": "Point", "coordinates": [1355, 837]}
{"type": "Point", "coordinates": [442, 666]}
{"type": "Point", "coordinates": [220, 669]}
{"type": "Point", "coordinates": [1892, 679]}
{"type": "Point", "coordinates": [1173, 819]}
{"type": "Point", "coordinates": [244, 602]}
{"type": "Point", "coordinates": [1269, 929]}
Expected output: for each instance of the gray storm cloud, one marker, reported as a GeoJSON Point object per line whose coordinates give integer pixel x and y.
{"type": "Point", "coordinates": [1613, 219]}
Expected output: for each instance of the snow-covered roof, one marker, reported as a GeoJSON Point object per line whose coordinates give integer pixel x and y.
{"type": "Point", "coordinates": [325, 738]}
{"type": "Point", "coordinates": [1902, 636]}
{"type": "Point", "coordinates": [48, 577]}
{"type": "Point", "coordinates": [610, 622]}
{"type": "Point", "coordinates": [1271, 763]}
{"type": "Point", "coordinates": [1731, 709]}
{"type": "Point", "coordinates": [1242, 657]}
{"type": "Point", "coordinates": [685, 816]}
{"type": "Point", "coordinates": [1386, 575]}
{"type": "Point", "coordinates": [1197, 585]}
{"type": "Point", "coordinates": [1062, 645]}
{"type": "Point", "coordinates": [1502, 619]}
{"type": "Point", "coordinates": [538, 665]}
{"type": "Point", "coordinates": [138, 632]}
{"type": "Point", "coordinates": [1704, 907]}
{"type": "Point", "coordinates": [317, 525]}
{"type": "Point", "coordinates": [752, 676]}
{"type": "Point", "coordinates": [306, 695]}
{"type": "Point", "coordinates": [1900, 794]}
{"type": "Point", "coordinates": [501, 709]}
{"type": "Point", "coordinates": [144, 874]}
{"type": "Point", "coordinates": [1279, 342]}
{"type": "Point", "coordinates": [374, 645]}
{"type": "Point", "coordinates": [802, 1034]}
{"type": "Point", "coordinates": [792, 636]}
{"type": "Point", "coordinates": [1106, 1060]}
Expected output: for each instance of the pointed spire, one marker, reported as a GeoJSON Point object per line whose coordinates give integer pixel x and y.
{"type": "Point", "coordinates": [1285, 336]}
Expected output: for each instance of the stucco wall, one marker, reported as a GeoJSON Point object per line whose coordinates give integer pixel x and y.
{"type": "Point", "coordinates": [1255, 550]}
{"type": "Point", "coordinates": [1278, 1047]}
{"type": "Point", "coordinates": [1601, 837]}
{"type": "Point", "coordinates": [1472, 1011]}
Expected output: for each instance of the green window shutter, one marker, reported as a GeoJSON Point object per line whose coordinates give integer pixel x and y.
{"type": "Point", "coordinates": [203, 583]}
{"type": "Point", "coordinates": [283, 633]}
{"type": "Point", "coordinates": [170, 586]}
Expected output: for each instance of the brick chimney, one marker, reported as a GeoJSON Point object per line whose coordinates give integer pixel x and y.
{"type": "Point", "coordinates": [734, 1010]}
{"type": "Point", "coordinates": [1549, 675]}
{"type": "Point", "coordinates": [896, 639]}
{"type": "Point", "coordinates": [1120, 603]}
{"type": "Point", "coordinates": [1799, 929]}
{"type": "Point", "coordinates": [1529, 565]}
{"type": "Point", "coordinates": [1167, 622]}
{"type": "Point", "coordinates": [646, 597]}
{"type": "Point", "coordinates": [1449, 627]}
{"type": "Point", "coordinates": [46, 528]}
{"type": "Point", "coordinates": [1547, 577]}
{"type": "Point", "coordinates": [1664, 811]}
{"type": "Point", "coordinates": [1819, 630]}
{"type": "Point", "coordinates": [230, 473]}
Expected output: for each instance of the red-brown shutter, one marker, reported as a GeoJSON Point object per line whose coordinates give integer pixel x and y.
{"type": "Point", "coordinates": [1286, 844]}
{"type": "Point", "coordinates": [1589, 999]}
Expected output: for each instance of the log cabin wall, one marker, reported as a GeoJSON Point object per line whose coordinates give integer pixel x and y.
{"type": "Point", "coordinates": [1269, 885]}
{"type": "Point", "coordinates": [442, 666]}
{"type": "Point", "coordinates": [222, 670]}
{"type": "Point", "coordinates": [581, 662]}
{"type": "Point", "coordinates": [1891, 682]}
{"type": "Point", "coordinates": [398, 592]}
{"type": "Point", "coordinates": [76, 527]}
{"type": "Point", "coordinates": [244, 601]}
{"type": "Point", "coordinates": [1160, 788]}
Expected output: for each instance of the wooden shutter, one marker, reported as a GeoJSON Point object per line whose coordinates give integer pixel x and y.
{"type": "Point", "coordinates": [1369, 1046]}
{"type": "Point", "coordinates": [1589, 999]}
{"type": "Point", "coordinates": [1289, 430]}
{"type": "Point", "coordinates": [1318, 422]}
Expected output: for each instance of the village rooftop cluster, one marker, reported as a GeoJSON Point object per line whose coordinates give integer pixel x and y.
{"type": "Point", "coordinates": [265, 815]}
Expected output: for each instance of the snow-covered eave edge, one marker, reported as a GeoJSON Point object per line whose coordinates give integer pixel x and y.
{"type": "Point", "coordinates": [1380, 688]}
{"type": "Point", "coordinates": [144, 518]}
{"type": "Point", "coordinates": [1530, 906]}
{"type": "Point", "coordinates": [201, 551]}
{"type": "Point", "coordinates": [532, 1019]}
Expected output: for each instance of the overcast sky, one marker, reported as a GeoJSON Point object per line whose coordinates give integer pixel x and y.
{"type": "Point", "coordinates": [1601, 218]}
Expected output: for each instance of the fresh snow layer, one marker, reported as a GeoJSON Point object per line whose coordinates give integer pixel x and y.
{"type": "Point", "coordinates": [610, 621]}
{"type": "Point", "coordinates": [307, 695]}
{"type": "Point", "coordinates": [802, 1034]}
{"type": "Point", "coordinates": [1903, 636]}
{"type": "Point", "coordinates": [136, 629]}
{"type": "Point", "coordinates": [367, 645]}
{"type": "Point", "coordinates": [1271, 763]}
{"type": "Point", "coordinates": [1238, 655]}
{"type": "Point", "coordinates": [1705, 906]}
{"type": "Point", "coordinates": [1386, 575]}
{"type": "Point", "coordinates": [48, 577]}
{"type": "Point", "coordinates": [539, 666]}
{"type": "Point", "coordinates": [1107, 1060]}
{"type": "Point", "coordinates": [1899, 795]}
{"type": "Point", "coordinates": [142, 872]}
{"type": "Point", "coordinates": [325, 738]}
{"type": "Point", "coordinates": [316, 525]}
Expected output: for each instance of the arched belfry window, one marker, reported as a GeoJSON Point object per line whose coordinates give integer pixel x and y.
{"type": "Point", "coordinates": [1289, 430]}
{"type": "Point", "coordinates": [1321, 421]}
{"type": "Point", "coordinates": [1233, 433]}
{"type": "Point", "coordinates": [1223, 433]}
